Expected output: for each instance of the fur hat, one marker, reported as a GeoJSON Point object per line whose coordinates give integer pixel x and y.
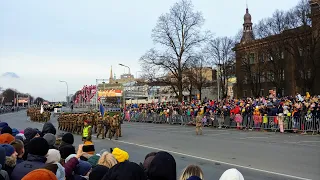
{"type": "Point", "coordinates": [6, 138]}
{"type": "Point", "coordinates": [30, 133]}
{"type": "Point", "coordinates": [53, 156]}
{"type": "Point", "coordinates": [38, 146]}
{"type": "Point", "coordinates": [120, 155]}
{"type": "Point", "coordinates": [40, 174]}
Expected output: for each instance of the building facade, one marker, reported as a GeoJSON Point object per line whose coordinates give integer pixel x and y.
{"type": "Point", "coordinates": [288, 62]}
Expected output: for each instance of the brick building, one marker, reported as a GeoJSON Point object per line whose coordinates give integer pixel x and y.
{"type": "Point", "coordinates": [288, 62]}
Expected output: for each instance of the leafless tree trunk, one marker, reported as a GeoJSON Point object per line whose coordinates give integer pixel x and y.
{"type": "Point", "coordinates": [179, 33]}
{"type": "Point", "coordinates": [222, 56]}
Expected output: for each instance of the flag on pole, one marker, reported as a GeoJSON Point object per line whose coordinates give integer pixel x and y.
{"type": "Point", "coordinates": [41, 110]}
{"type": "Point", "coordinates": [101, 110]}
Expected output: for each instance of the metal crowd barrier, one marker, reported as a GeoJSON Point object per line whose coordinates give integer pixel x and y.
{"type": "Point", "coordinates": [267, 123]}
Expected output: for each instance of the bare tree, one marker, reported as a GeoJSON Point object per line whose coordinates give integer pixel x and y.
{"type": "Point", "coordinates": [222, 56]}
{"type": "Point", "coordinates": [179, 34]}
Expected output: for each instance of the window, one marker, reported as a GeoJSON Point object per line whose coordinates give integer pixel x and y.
{"type": "Point", "coordinates": [281, 74]}
{"type": "Point", "coordinates": [245, 93]}
{"type": "Point", "coordinates": [309, 74]}
{"type": "Point", "coordinates": [270, 76]}
{"type": "Point", "coordinates": [245, 80]}
{"type": "Point", "coordinates": [300, 51]}
{"type": "Point", "coordinates": [261, 58]}
{"type": "Point", "coordinates": [262, 77]}
{"type": "Point", "coordinates": [251, 58]}
{"type": "Point", "coordinates": [282, 55]}
{"type": "Point", "coordinates": [270, 58]}
{"type": "Point", "coordinates": [261, 92]}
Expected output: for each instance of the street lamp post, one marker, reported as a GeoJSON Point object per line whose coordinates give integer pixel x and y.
{"type": "Point", "coordinates": [67, 90]}
{"type": "Point", "coordinates": [124, 97]}
{"type": "Point", "coordinates": [126, 67]}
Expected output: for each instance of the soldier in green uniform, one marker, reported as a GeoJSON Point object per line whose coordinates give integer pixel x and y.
{"type": "Point", "coordinates": [120, 122]}
{"type": "Point", "coordinates": [106, 124]}
{"type": "Point", "coordinates": [100, 127]}
{"type": "Point", "coordinates": [114, 127]}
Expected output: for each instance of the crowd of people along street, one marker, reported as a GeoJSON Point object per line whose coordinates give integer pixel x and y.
{"type": "Point", "coordinates": [290, 114]}
{"type": "Point", "coordinates": [31, 154]}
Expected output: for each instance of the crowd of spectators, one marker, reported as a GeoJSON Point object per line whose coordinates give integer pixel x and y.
{"type": "Point", "coordinates": [31, 154]}
{"type": "Point", "coordinates": [300, 112]}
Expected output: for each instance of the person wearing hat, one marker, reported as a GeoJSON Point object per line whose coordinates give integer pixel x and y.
{"type": "Point", "coordinates": [2, 125]}
{"type": "Point", "coordinates": [51, 139]}
{"type": "Point", "coordinates": [38, 148]}
{"type": "Point", "coordinates": [40, 174]}
{"type": "Point", "coordinates": [11, 158]}
{"type": "Point", "coordinates": [163, 166]}
{"type": "Point", "coordinates": [6, 138]}
{"type": "Point", "coordinates": [86, 133]}
{"type": "Point", "coordinates": [124, 171]}
{"type": "Point", "coordinates": [6, 129]}
{"type": "Point", "coordinates": [29, 134]}
{"type": "Point", "coordinates": [231, 174]}
{"type": "Point", "coordinates": [3, 173]}
{"type": "Point", "coordinates": [120, 155]}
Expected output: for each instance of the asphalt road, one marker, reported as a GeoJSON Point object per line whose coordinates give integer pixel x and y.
{"type": "Point", "coordinates": [256, 155]}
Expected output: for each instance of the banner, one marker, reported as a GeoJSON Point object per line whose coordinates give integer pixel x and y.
{"type": "Point", "coordinates": [110, 93]}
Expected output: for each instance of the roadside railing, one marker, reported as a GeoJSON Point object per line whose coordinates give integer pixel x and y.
{"type": "Point", "coordinates": [265, 123]}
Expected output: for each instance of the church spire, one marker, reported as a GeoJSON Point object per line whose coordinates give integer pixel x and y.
{"type": "Point", "coordinates": [247, 27]}
{"type": "Point", "coordinates": [111, 74]}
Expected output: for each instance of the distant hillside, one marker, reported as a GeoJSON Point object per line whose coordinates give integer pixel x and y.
{"type": "Point", "coordinates": [10, 75]}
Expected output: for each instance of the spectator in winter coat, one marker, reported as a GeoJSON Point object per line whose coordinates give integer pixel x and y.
{"type": "Point", "coordinates": [29, 134]}
{"type": "Point", "coordinates": [124, 171]}
{"type": "Point", "coordinates": [51, 139]}
{"type": "Point", "coordinates": [3, 174]}
{"type": "Point", "coordinates": [57, 169]}
{"type": "Point", "coordinates": [163, 167]}
{"type": "Point", "coordinates": [40, 174]}
{"type": "Point", "coordinates": [233, 174]}
{"type": "Point", "coordinates": [6, 138]}
{"type": "Point", "coordinates": [6, 129]}
{"type": "Point", "coordinates": [11, 158]}
{"type": "Point", "coordinates": [98, 172]}
{"type": "Point", "coordinates": [38, 149]}
{"type": "Point", "coordinates": [192, 172]}
{"type": "Point", "coordinates": [19, 147]}
{"type": "Point", "coordinates": [48, 127]}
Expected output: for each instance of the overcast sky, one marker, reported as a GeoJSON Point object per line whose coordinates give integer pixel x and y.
{"type": "Point", "coordinates": [78, 41]}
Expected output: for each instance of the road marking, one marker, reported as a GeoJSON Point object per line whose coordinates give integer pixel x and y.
{"type": "Point", "coordinates": [212, 160]}
{"type": "Point", "coordinates": [254, 138]}
{"type": "Point", "coordinates": [218, 134]}
{"type": "Point", "coordinates": [309, 142]}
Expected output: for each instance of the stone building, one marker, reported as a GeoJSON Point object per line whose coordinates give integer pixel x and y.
{"type": "Point", "coordinates": [288, 62]}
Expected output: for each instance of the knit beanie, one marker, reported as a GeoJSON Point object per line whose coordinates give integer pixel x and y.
{"type": "Point", "coordinates": [20, 136]}
{"type": "Point", "coordinates": [233, 174]}
{"type": "Point", "coordinates": [38, 146]}
{"type": "Point", "coordinates": [6, 129]}
{"type": "Point", "coordinates": [53, 156]}
{"type": "Point", "coordinates": [30, 133]}
{"type": "Point", "coordinates": [68, 138]}
{"type": "Point", "coordinates": [93, 160]}
{"type": "Point", "coordinates": [163, 166]}
{"type": "Point", "coordinates": [98, 172]}
{"type": "Point", "coordinates": [82, 168]}
{"type": "Point", "coordinates": [6, 138]}
{"type": "Point", "coordinates": [50, 138]}
{"type": "Point", "coordinates": [40, 174]}
{"type": "Point", "coordinates": [89, 143]}
{"type": "Point", "coordinates": [65, 151]}
{"type": "Point", "coordinates": [8, 149]}
{"type": "Point", "coordinates": [120, 155]}
{"type": "Point", "coordinates": [15, 131]}
{"type": "Point", "coordinates": [3, 124]}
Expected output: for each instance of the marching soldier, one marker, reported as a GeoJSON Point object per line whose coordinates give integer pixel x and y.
{"type": "Point", "coordinates": [114, 130]}
{"type": "Point", "coordinates": [198, 124]}
{"type": "Point", "coordinates": [120, 122]}
{"type": "Point", "coordinates": [106, 124]}
{"type": "Point", "coordinates": [100, 128]}
{"type": "Point", "coordinates": [79, 123]}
